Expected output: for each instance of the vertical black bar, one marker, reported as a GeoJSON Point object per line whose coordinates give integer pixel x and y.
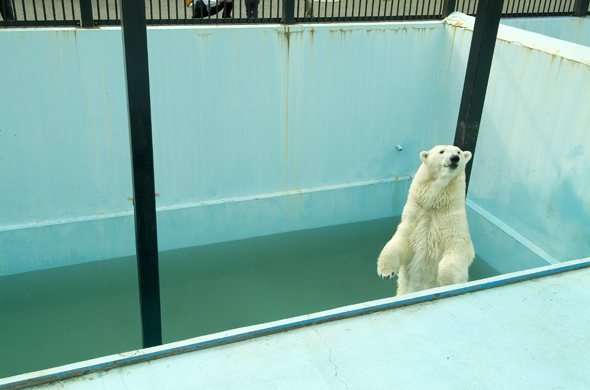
{"type": "Point", "coordinates": [35, 13]}
{"type": "Point", "coordinates": [479, 64]}
{"type": "Point", "coordinates": [53, 9]}
{"type": "Point", "coordinates": [133, 26]}
{"type": "Point", "coordinates": [73, 12]}
{"type": "Point", "coordinates": [86, 19]}
{"type": "Point", "coordinates": [44, 12]}
{"type": "Point", "coordinates": [379, 17]}
{"type": "Point", "coordinates": [24, 12]}
{"type": "Point", "coordinates": [98, 10]}
{"type": "Point", "coordinates": [333, 5]}
{"type": "Point", "coordinates": [581, 8]}
{"type": "Point", "coordinates": [448, 7]}
{"type": "Point", "coordinates": [288, 12]}
{"type": "Point", "coordinates": [63, 9]}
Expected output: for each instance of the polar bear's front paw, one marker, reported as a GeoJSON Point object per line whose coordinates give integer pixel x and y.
{"type": "Point", "coordinates": [385, 272]}
{"type": "Point", "coordinates": [388, 262]}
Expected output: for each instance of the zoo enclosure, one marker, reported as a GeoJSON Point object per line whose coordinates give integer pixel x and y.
{"type": "Point", "coordinates": [298, 48]}
{"type": "Point", "coordinates": [92, 13]}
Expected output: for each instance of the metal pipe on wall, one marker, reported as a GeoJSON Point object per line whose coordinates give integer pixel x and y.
{"type": "Point", "coordinates": [479, 63]}
{"type": "Point", "coordinates": [135, 54]}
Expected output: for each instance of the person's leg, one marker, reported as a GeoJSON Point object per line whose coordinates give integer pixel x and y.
{"type": "Point", "coordinates": [229, 5]}
{"type": "Point", "coordinates": [6, 10]}
{"type": "Point", "coordinates": [247, 5]}
{"type": "Point", "coordinates": [255, 8]}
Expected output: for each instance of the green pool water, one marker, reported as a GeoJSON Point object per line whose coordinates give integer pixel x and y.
{"type": "Point", "coordinates": [63, 315]}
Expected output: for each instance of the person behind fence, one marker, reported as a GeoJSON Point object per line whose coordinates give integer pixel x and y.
{"type": "Point", "coordinates": [204, 8]}
{"type": "Point", "coordinates": [252, 8]}
{"type": "Point", "coordinates": [6, 10]}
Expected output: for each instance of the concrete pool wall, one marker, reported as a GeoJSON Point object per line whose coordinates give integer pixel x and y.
{"type": "Point", "coordinates": [266, 129]}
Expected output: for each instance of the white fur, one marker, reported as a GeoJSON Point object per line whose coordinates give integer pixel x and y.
{"type": "Point", "coordinates": [431, 246]}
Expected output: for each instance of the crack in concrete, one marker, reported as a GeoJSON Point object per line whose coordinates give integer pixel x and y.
{"type": "Point", "coordinates": [330, 359]}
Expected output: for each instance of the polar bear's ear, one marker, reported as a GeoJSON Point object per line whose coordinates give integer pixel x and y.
{"type": "Point", "coordinates": [467, 156]}
{"type": "Point", "coordinates": [423, 156]}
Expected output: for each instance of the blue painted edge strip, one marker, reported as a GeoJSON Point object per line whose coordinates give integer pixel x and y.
{"type": "Point", "coordinates": [18, 382]}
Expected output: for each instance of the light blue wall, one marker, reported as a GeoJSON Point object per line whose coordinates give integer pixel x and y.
{"type": "Point", "coordinates": [265, 129]}
{"type": "Point", "coordinates": [532, 160]}
{"type": "Point", "coordinates": [575, 30]}
{"type": "Point", "coordinates": [243, 118]}
{"type": "Point", "coordinates": [242, 111]}
{"type": "Point", "coordinates": [503, 248]}
{"type": "Point", "coordinates": [64, 148]}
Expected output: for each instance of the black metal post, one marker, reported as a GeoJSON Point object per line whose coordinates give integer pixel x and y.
{"type": "Point", "coordinates": [479, 64]}
{"type": "Point", "coordinates": [288, 12]}
{"type": "Point", "coordinates": [133, 26]}
{"type": "Point", "coordinates": [581, 8]}
{"type": "Point", "coordinates": [448, 7]}
{"type": "Point", "coordinates": [86, 18]}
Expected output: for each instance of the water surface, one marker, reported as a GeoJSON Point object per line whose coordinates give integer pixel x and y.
{"type": "Point", "coordinates": [63, 315]}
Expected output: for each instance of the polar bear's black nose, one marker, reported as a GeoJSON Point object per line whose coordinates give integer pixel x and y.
{"type": "Point", "coordinates": [455, 159]}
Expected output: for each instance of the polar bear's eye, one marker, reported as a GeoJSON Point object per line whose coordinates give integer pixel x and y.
{"type": "Point", "coordinates": [442, 151]}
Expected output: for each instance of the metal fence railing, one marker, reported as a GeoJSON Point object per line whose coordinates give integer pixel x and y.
{"type": "Point", "coordinates": [524, 8]}
{"type": "Point", "coordinates": [90, 13]}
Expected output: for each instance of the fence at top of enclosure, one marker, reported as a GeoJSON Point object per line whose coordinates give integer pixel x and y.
{"type": "Point", "coordinates": [92, 13]}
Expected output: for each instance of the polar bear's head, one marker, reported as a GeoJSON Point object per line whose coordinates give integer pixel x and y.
{"type": "Point", "coordinates": [445, 160]}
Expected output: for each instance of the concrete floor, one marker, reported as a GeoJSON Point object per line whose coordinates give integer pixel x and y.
{"type": "Point", "coordinates": [533, 334]}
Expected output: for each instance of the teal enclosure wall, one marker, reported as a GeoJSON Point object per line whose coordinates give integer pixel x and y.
{"type": "Point", "coordinates": [266, 129]}
{"type": "Point", "coordinates": [571, 29]}
{"type": "Point", "coordinates": [257, 130]}
{"type": "Point", "coordinates": [532, 159]}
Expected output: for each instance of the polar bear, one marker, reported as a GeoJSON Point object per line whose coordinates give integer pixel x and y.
{"type": "Point", "coordinates": [432, 246]}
